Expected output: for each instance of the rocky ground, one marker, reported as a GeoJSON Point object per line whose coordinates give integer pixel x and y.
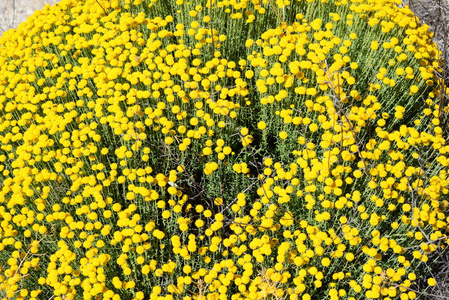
{"type": "Point", "coordinates": [435, 13]}
{"type": "Point", "coordinates": [13, 12]}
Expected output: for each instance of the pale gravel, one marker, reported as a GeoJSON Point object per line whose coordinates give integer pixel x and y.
{"type": "Point", "coordinates": [14, 12]}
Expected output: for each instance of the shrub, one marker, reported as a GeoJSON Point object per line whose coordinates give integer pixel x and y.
{"type": "Point", "coordinates": [220, 150]}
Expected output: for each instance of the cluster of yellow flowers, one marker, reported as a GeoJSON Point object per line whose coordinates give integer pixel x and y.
{"type": "Point", "coordinates": [220, 149]}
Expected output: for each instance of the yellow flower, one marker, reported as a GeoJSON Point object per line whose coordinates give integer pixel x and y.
{"type": "Point", "coordinates": [349, 256]}
{"type": "Point", "coordinates": [244, 131]}
{"type": "Point", "coordinates": [246, 140]}
{"type": "Point", "coordinates": [325, 261]}
{"type": "Point", "coordinates": [283, 135]}
{"type": "Point", "coordinates": [210, 168]}
{"type": "Point", "coordinates": [158, 234]}
{"type": "Point", "coordinates": [431, 281]}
